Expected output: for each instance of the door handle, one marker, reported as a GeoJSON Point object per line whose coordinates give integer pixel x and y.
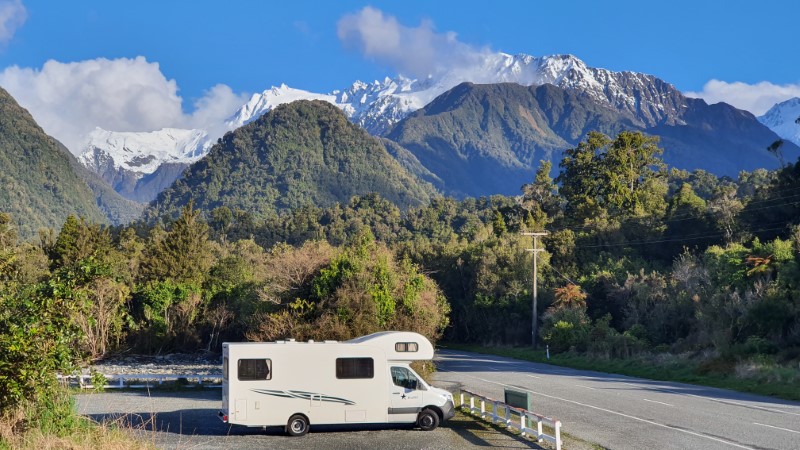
{"type": "Point", "coordinates": [396, 393]}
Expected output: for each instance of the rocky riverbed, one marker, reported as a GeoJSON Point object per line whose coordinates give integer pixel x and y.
{"type": "Point", "coordinates": [176, 363]}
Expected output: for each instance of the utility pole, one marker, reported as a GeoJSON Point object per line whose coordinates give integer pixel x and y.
{"type": "Point", "coordinates": [536, 250]}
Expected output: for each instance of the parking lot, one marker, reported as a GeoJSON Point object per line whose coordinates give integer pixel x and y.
{"type": "Point", "coordinates": [187, 419]}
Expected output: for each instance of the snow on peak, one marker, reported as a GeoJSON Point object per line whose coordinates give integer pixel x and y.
{"type": "Point", "coordinates": [784, 119]}
{"type": "Point", "coordinates": [265, 101]}
{"type": "Point", "coordinates": [378, 105]}
{"type": "Point", "coordinates": [143, 152]}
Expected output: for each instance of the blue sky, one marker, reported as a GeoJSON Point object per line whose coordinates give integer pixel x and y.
{"type": "Point", "coordinates": [220, 51]}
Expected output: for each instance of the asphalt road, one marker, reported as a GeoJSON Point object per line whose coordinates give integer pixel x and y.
{"type": "Point", "coordinates": [188, 420]}
{"type": "Point", "coordinates": [619, 412]}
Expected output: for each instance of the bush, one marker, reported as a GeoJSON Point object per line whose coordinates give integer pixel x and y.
{"type": "Point", "coordinates": [566, 329]}
{"type": "Point", "coordinates": [361, 289]}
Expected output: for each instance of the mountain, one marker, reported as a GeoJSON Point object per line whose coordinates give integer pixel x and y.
{"type": "Point", "coordinates": [39, 186]}
{"type": "Point", "coordinates": [140, 165]}
{"type": "Point", "coordinates": [117, 209]}
{"type": "Point", "coordinates": [784, 119]}
{"type": "Point", "coordinates": [377, 106]}
{"type": "Point", "coordinates": [306, 152]}
{"type": "Point", "coordinates": [487, 139]}
{"type": "Point", "coordinates": [128, 160]}
{"type": "Point", "coordinates": [640, 101]}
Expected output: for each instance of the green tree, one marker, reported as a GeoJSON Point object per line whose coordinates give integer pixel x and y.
{"type": "Point", "coordinates": [498, 224]}
{"type": "Point", "coordinates": [623, 176]}
{"type": "Point", "coordinates": [581, 177]}
{"type": "Point", "coordinates": [632, 172]}
{"type": "Point", "coordinates": [540, 198]}
{"type": "Point", "coordinates": [182, 254]}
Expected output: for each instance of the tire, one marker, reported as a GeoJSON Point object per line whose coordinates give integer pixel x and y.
{"type": "Point", "coordinates": [297, 425]}
{"type": "Point", "coordinates": [428, 420]}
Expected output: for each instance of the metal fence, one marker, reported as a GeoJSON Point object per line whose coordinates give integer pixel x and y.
{"type": "Point", "coordinates": [140, 381]}
{"type": "Point", "coordinates": [518, 419]}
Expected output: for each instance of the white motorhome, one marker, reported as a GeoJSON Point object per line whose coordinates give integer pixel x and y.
{"type": "Point", "coordinates": [360, 381]}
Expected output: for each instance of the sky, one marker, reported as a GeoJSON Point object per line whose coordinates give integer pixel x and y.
{"type": "Point", "coordinates": [143, 65]}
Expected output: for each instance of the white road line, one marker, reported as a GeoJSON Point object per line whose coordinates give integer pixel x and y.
{"type": "Point", "coordinates": [533, 376]}
{"type": "Point", "coordinates": [712, 399]}
{"type": "Point", "coordinates": [586, 387]}
{"type": "Point", "coordinates": [620, 414]}
{"type": "Point", "coordinates": [660, 403]}
{"type": "Point", "coordinates": [777, 428]}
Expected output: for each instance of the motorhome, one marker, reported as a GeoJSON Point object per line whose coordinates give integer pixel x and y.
{"type": "Point", "coordinates": [299, 384]}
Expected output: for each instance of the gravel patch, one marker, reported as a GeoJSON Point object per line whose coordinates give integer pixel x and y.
{"type": "Point", "coordinates": [176, 363]}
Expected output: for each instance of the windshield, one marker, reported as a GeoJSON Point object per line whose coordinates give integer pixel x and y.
{"type": "Point", "coordinates": [404, 377]}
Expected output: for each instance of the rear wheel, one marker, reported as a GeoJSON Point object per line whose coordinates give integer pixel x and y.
{"type": "Point", "coordinates": [297, 425]}
{"type": "Point", "coordinates": [428, 420]}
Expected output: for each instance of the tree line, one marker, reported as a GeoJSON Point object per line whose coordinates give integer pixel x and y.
{"type": "Point", "coordinates": [639, 257]}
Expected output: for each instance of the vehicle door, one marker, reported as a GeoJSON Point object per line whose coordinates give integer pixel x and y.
{"type": "Point", "coordinates": [405, 395]}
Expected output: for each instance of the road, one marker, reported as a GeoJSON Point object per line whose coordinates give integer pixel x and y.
{"type": "Point", "coordinates": [619, 412]}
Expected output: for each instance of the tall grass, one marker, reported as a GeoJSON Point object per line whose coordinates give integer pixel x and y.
{"type": "Point", "coordinates": [56, 425]}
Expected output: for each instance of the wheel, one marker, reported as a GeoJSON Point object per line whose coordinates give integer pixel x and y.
{"type": "Point", "coordinates": [297, 425]}
{"type": "Point", "coordinates": [428, 420]}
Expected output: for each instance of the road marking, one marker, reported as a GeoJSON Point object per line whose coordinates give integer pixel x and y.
{"type": "Point", "coordinates": [726, 402]}
{"type": "Point", "coordinates": [586, 387]}
{"type": "Point", "coordinates": [723, 441]}
{"type": "Point", "coordinates": [777, 428]}
{"type": "Point", "coordinates": [534, 376]}
{"type": "Point", "coordinates": [660, 403]}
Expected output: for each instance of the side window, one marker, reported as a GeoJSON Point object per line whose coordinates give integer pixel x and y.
{"type": "Point", "coordinates": [254, 369]}
{"type": "Point", "coordinates": [404, 378]}
{"type": "Point", "coordinates": [404, 347]}
{"type": "Point", "coordinates": [349, 368]}
{"type": "Point", "coordinates": [225, 368]}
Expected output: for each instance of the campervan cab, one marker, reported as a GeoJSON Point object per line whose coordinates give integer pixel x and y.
{"type": "Point", "coordinates": [360, 381]}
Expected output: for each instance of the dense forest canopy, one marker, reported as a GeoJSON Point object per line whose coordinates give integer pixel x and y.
{"type": "Point", "coordinates": [639, 257]}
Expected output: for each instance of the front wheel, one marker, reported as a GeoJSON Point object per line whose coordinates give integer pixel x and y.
{"type": "Point", "coordinates": [427, 420]}
{"type": "Point", "coordinates": [297, 425]}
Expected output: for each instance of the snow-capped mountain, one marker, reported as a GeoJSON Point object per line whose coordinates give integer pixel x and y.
{"type": "Point", "coordinates": [142, 152]}
{"type": "Point", "coordinates": [140, 164]}
{"type": "Point", "coordinates": [378, 106]}
{"type": "Point", "coordinates": [784, 119]}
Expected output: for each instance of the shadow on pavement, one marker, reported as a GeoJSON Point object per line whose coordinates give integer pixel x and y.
{"type": "Point", "coordinates": [482, 434]}
{"type": "Point", "coordinates": [201, 423]}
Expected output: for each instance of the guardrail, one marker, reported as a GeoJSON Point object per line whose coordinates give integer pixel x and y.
{"type": "Point", "coordinates": [503, 413]}
{"type": "Point", "coordinates": [122, 381]}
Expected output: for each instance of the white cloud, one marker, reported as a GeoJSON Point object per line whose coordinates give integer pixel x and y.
{"type": "Point", "coordinates": [12, 15]}
{"type": "Point", "coordinates": [69, 100]}
{"type": "Point", "coordinates": [756, 98]}
{"type": "Point", "coordinates": [416, 51]}
{"type": "Point", "coordinates": [214, 108]}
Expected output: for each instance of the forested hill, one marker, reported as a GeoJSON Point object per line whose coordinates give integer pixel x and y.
{"type": "Point", "coordinates": [38, 185]}
{"type": "Point", "coordinates": [488, 139]}
{"type": "Point", "coordinates": [302, 153]}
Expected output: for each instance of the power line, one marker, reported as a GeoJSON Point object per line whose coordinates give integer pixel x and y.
{"type": "Point", "coordinates": [681, 219]}
{"type": "Point", "coordinates": [660, 241]}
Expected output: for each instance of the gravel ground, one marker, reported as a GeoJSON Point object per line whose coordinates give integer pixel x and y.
{"type": "Point", "coordinates": [177, 363]}
{"type": "Point", "coordinates": [182, 419]}
{"type": "Point", "coordinates": [188, 420]}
